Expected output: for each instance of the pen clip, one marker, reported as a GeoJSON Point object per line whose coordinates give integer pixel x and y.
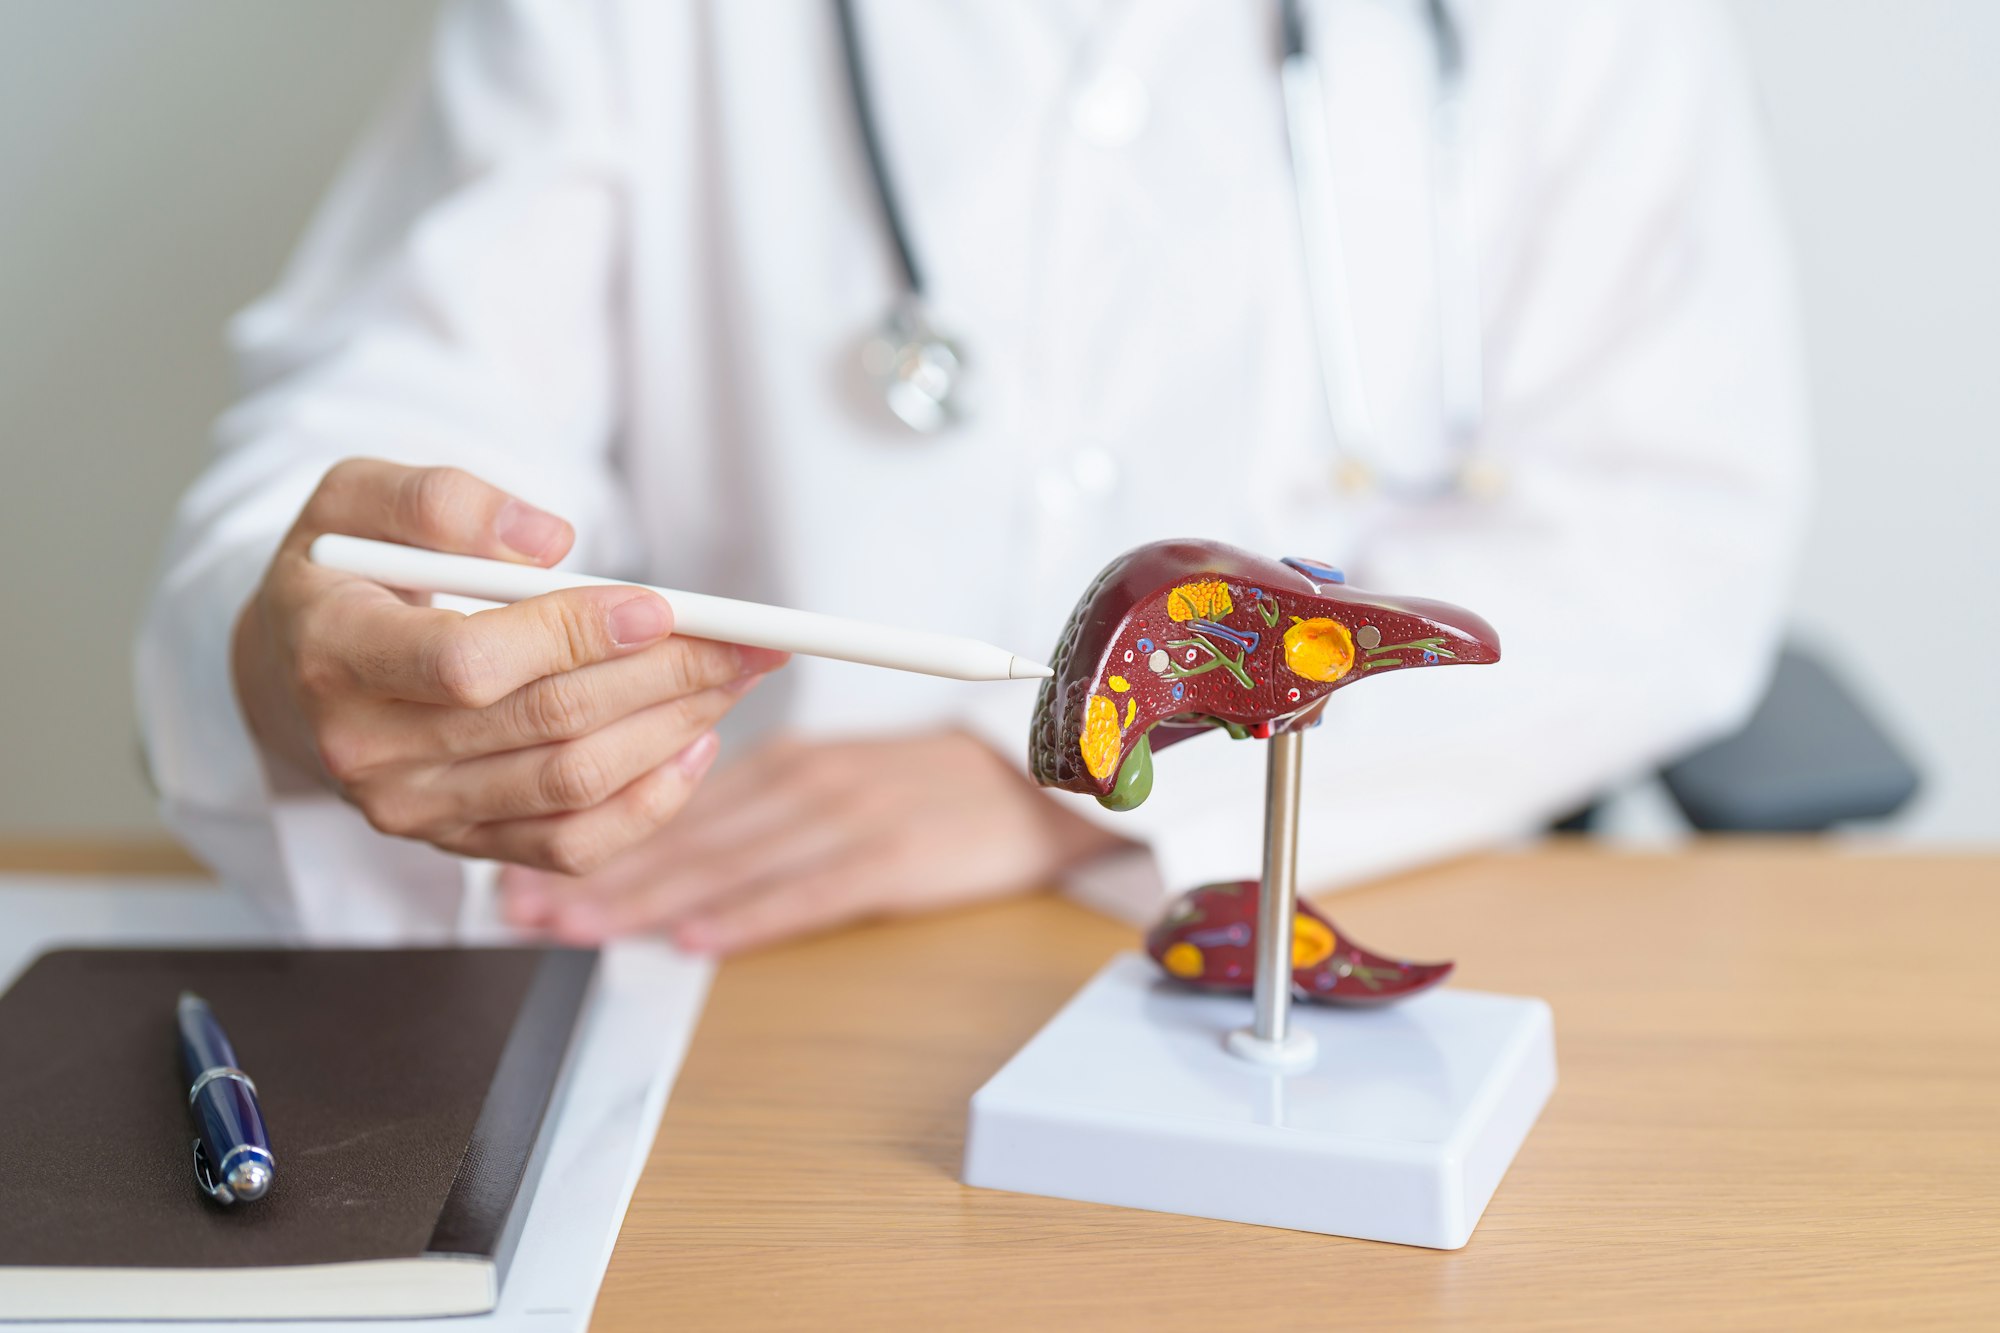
{"type": "Point", "coordinates": [205, 1178]}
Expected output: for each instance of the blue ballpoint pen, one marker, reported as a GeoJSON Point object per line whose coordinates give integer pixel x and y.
{"type": "Point", "coordinates": [232, 1154]}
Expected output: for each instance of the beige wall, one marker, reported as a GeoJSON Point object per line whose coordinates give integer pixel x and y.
{"type": "Point", "coordinates": [158, 156]}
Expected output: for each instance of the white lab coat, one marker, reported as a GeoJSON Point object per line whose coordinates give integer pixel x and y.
{"type": "Point", "coordinates": [618, 258]}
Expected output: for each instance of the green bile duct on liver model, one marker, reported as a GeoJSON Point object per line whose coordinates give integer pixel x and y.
{"type": "Point", "coordinates": [1178, 637]}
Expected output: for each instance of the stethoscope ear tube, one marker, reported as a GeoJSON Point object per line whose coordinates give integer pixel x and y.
{"type": "Point", "coordinates": [1460, 359]}
{"type": "Point", "coordinates": [871, 146]}
{"type": "Point", "coordinates": [1323, 255]}
{"type": "Point", "coordinates": [916, 368]}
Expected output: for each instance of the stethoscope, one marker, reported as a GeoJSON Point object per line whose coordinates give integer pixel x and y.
{"type": "Point", "coordinates": [920, 370]}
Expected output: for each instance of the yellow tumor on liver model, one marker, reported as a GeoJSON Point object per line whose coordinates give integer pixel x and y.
{"type": "Point", "coordinates": [1101, 736]}
{"type": "Point", "coordinates": [1199, 601]}
{"type": "Point", "coordinates": [1182, 960]}
{"type": "Point", "coordinates": [1312, 942]}
{"type": "Point", "coordinates": [1319, 649]}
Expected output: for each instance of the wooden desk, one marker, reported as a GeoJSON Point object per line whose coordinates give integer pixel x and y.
{"type": "Point", "coordinates": [1780, 1107]}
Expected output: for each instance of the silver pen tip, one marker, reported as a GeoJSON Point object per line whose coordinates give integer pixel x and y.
{"type": "Point", "coordinates": [249, 1180]}
{"type": "Point", "coordinates": [1022, 669]}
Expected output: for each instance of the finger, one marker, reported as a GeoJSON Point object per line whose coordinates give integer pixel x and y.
{"type": "Point", "coordinates": [568, 704]}
{"type": "Point", "coordinates": [747, 803]}
{"type": "Point", "coordinates": [440, 657]}
{"type": "Point", "coordinates": [787, 908]}
{"type": "Point", "coordinates": [579, 842]}
{"type": "Point", "coordinates": [440, 508]}
{"type": "Point", "coordinates": [676, 889]}
{"type": "Point", "coordinates": [572, 775]}
{"type": "Point", "coordinates": [531, 897]}
{"type": "Point", "coordinates": [528, 895]}
{"type": "Point", "coordinates": [369, 737]}
{"type": "Point", "coordinates": [750, 801]}
{"type": "Point", "coordinates": [732, 811]}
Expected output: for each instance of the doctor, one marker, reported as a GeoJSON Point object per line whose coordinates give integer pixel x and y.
{"type": "Point", "coordinates": [1484, 301]}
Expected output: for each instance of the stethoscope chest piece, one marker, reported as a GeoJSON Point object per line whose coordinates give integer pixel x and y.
{"type": "Point", "coordinates": [1476, 477]}
{"type": "Point", "coordinates": [917, 368]}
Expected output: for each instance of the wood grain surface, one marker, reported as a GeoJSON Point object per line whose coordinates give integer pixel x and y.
{"type": "Point", "coordinates": [1779, 1108]}
{"type": "Point", "coordinates": [79, 855]}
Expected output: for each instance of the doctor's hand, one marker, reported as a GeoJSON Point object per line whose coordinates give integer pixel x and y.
{"type": "Point", "coordinates": [800, 836]}
{"type": "Point", "coordinates": [556, 732]}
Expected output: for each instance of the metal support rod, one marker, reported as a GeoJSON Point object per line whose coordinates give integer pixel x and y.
{"type": "Point", "coordinates": [1278, 898]}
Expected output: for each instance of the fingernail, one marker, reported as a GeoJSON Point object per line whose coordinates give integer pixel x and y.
{"type": "Point", "coordinates": [580, 923]}
{"type": "Point", "coordinates": [694, 937]}
{"type": "Point", "coordinates": [640, 619]}
{"type": "Point", "coordinates": [744, 684]}
{"type": "Point", "coordinates": [699, 754]}
{"type": "Point", "coordinates": [531, 531]}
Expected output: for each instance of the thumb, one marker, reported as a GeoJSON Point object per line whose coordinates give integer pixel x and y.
{"type": "Point", "coordinates": [439, 508]}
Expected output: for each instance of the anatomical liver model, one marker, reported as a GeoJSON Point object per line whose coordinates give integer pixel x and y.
{"type": "Point", "coordinates": [1205, 940]}
{"type": "Point", "coordinates": [1180, 637]}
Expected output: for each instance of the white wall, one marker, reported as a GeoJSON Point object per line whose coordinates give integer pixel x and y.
{"type": "Point", "coordinates": [156, 160]}
{"type": "Point", "coordinates": [1885, 122]}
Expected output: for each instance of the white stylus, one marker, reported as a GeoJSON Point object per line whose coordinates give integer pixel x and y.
{"type": "Point", "coordinates": [695, 614]}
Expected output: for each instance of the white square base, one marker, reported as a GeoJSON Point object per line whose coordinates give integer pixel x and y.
{"type": "Point", "coordinates": [1400, 1131]}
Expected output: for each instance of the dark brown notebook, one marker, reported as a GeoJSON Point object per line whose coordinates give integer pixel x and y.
{"type": "Point", "coordinates": [408, 1094]}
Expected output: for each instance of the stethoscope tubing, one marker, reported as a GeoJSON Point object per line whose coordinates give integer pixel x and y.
{"type": "Point", "coordinates": [1343, 388]}
{"type": "Point", "coordinates": [871, 145]}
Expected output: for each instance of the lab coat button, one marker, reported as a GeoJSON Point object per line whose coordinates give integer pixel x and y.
{"type": "Point", "coordinates": [1112, 110]}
